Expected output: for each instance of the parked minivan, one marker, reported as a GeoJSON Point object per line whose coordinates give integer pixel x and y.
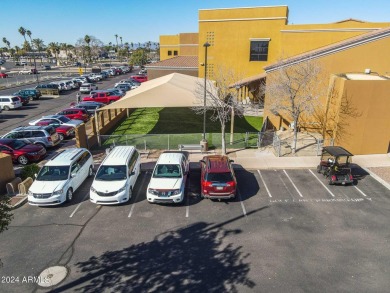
{"type": "Point", "coordinates": [60, 177]}
{"type": "Point", "coordinates": [115, 179]}
{"type": "Point", "coordinates": [10, 102]}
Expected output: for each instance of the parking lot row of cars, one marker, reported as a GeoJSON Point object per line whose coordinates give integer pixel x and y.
{"type": "Point", "coordinates": [48, 131]}
{"type": "Point", "coordinates": [117, 175]}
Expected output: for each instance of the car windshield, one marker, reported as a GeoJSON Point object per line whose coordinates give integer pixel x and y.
{"type": "Point", "coordinates": [64, 119]}
{"type": "Point", "coordinates": [53, 173]}
{"type": "Point", "coordinates": [219, 177]}
{"type": "Point", "coordinates": [111, 173]}
{"type": "Point", "coordinates": [17, 144]}
{"type": "Point", "coordinates": [167, 171]}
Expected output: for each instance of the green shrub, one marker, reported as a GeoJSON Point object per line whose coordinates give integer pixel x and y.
{"type": "Point", "coordinates": [29, 171]}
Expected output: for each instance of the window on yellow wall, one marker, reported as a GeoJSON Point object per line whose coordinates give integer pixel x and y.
{"type": "Point", "coordinates": [169, 53]}
{"type": "Point", "coordinates": [175, 53]}
{"type": "Point", "coordinates": [259, 51]}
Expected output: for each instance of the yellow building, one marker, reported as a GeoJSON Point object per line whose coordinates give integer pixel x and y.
{"type": "Point", "coordinates": [183, 44]}
{"type": "Point", "coordinates": [359, 67]}
{"type": "Point", "coordinates": [251, 38]}
{"type": "Point", "coordinates": [255, 41]}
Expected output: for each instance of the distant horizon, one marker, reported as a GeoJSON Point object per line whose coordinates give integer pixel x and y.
{"type": "Point", "coordinates": [143, 22]}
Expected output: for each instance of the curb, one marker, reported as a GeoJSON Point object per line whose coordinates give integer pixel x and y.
{"type": "Point", "coordinates": [377, 178]}
{"type": "Point", "coordinates": [20, 203]}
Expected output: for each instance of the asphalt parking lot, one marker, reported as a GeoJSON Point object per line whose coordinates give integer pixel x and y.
{"type": "Point", "coordinates": [287, 231]}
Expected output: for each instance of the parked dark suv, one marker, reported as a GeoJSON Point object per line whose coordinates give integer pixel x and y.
{"type": "Point", "coordinates": [32, 94]}
{"type": "Point", "coordinates": [45, 136]}
{"type": "Point", "coordinates": [217, 179]}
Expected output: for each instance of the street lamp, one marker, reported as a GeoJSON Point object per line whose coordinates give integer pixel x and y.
{"type": "Point", "coordinates": [205, 45]}
{"type": "Point", "coordinates": [232, 116]}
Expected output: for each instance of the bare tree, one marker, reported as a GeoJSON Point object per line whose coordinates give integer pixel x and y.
{"type": "Point", "coordinates": [221, 99]}
{"type": "Point", "coordinates": [332, 117]}
{"type": "Point", "coordinates": [294, 90]}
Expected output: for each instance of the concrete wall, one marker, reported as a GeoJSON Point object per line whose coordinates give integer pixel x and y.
{"type": "Point", "coordinates": [87, 134]}
{"type": "Point", "coordinates": [369, 133]}
{"type": "Point", "coordinates": [7, 172]}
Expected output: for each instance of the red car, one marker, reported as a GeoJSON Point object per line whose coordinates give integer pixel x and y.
{"type": "Point", "coordinates": [22, 152]}
{"type": "Point", "coordinates": [75, 113]}
{"type": "Point", "coordinates": [140, 78]}
{"type": "Point", "coordinates": [217, 177]}
{"type": "Point", "coordinates": [3, 75]}
{"type": "Point", "coordinates": [63, 131]}
{"type": "Point", "coordinates": [102, 97]}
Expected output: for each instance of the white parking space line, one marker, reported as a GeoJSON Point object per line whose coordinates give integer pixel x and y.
{"type": "Point", "coordinates": [331, 193]}
{"type": "Point", "coordinates": [296, 188]}
{"type": "Point", "coordinates": [242, 203]}
{"type": "Point", "coordinates": [265, 185]}
{"type": "Point", "coordinates": [360, 191]}
{"type": "Point", "coordinates": [187, 208]}
{"type": "Point", "coordinates": [79, 205]}
{"type": "Point", "coordinates": [135, 199]}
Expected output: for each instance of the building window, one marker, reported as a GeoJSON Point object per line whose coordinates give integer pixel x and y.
{"type": "Point", "coordinates": [169, 53]}
{"type": "Point", "coordinates": [259, 51]}
{"type": "Point", "coordinates": [175, 53]}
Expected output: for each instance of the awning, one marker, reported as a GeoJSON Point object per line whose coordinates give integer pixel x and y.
{"type": "Point", "coordinates": [173, 90]}
{"type": "Point", "coordinates": [249, 80]}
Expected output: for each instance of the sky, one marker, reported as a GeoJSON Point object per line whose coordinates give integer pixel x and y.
{"type": "Point", "coordinates": [66, 21]}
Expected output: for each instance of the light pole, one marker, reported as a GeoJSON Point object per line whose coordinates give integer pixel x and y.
{"type": "Point", "coordinates": [232, 116]}
{"type": "Point", "coordinates": [205, 45]}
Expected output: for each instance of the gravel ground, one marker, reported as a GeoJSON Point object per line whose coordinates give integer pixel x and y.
{"type": "Point", "coordinates": [382, 172]}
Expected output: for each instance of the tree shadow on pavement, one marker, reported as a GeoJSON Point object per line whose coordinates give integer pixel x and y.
{"type": "Point", "coordinates": [197, 258]}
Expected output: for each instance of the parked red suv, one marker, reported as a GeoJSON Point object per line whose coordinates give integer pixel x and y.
{"type": "Point", "coordinates": [63, 131]}
{"type": "Point", "coordinates": [22, 152]}
{"type": "Point", "coordinates": [75, 113]}
{"type": "Point", "coordinates": [140, 78]}
{"type": "Point", "coordinates": [217, 177]}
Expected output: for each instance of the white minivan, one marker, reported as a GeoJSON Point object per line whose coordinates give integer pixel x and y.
{"type": "Point", "coordinates": [115, 179]}
{"type": "Point", "coordinates": [60, 177]}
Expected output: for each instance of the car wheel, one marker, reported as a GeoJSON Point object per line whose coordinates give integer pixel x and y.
{"type": "Point", "coordinates": [330, 182]}
{"type": "Point", "coordinates": [201, 195]}
{"type": "Point", "coordinates": [61, 136]}
{"type": "Point", "coordinates": [23, 160]}
{"type": "Point", "coordinates": [6, 108]}
{"type": "Point", "coordinates": [90, 171]}
{"type": "Point", "coordinates": [69, 195]}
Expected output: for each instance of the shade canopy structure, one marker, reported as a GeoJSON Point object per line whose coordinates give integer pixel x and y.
{"type": "Point", "coordinates": [173, 90]}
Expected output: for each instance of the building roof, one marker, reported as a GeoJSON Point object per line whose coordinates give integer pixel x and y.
{"type": "Point", "coordinates": [331, 49]}
{"type": "Point", "coordinates": [182, 62]}
{"type": "Point", "coordinates": [172, 90]}
{"type": "Point", "coordinates": [249, 80]}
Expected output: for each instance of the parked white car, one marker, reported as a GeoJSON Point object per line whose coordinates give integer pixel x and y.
{"type": "Point", "coordinates": [10, 102]}
{"type": "Point", "coordinates": [115, 179]}
{"type": "Point", "coordinates": [60, 177]}
{"type": "Point", "coordinates": [169, 178]}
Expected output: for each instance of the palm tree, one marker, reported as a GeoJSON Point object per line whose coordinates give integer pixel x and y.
{"type": "Point", "coordinates": [22, 31]}
{"type": "Point", "coordinates": [54, 48]}
{"type": "Point", "coordinates": [39, 45]}
{"type": "Point", "coordinates": [116, 37]}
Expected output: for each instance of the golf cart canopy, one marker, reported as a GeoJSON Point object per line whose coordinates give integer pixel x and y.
{"type": "Point", "coordinates": [336, 151]}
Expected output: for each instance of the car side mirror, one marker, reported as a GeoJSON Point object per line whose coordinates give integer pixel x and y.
{"type": "Point", "coordinates": [73, 175]}
{"type": "Point", "coordinates": [35, 175]}
{"type": "Point", "coordinates": [202, 161]}
{"type": "Point", "coordinates": [132, 173]}
{"type": "Point", "coordinates": [231, 161]}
